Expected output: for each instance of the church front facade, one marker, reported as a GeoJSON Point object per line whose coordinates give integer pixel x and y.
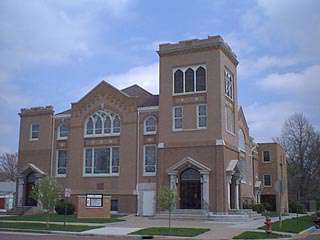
{"type": "Point", "coordinates": [128, 143]}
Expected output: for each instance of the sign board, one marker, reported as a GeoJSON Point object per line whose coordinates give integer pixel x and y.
{"type": "Point", "coordinates": [67, 192]}
{"type": "Point", "coordinates": [94, 200]}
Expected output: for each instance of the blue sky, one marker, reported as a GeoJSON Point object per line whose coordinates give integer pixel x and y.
{"type": "Point", "coordinates": [53, 52]}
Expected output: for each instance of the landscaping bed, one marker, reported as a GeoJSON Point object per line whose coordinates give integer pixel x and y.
{"type": "Point", "coordinates": [4, 226]}
{"type": "Point", "coordinates": [293, 225]}
{"type": "Point", "coordinates": [177, 232]}
{"type": "Point", "coordinates": [259, 235]}
{"type": "Point", "coordinates": [60, 218]}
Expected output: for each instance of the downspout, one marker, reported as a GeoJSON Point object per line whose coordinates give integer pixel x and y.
{"type": "Point", "coordinates": [52, 146]}
{"type": "Point", "coordinates": [138, 161]}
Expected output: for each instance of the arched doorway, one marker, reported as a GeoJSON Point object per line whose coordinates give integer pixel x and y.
{"type": "Point", "coordinates": [190, 189]}
{"type": "Point", "coordinates": [30, 182]}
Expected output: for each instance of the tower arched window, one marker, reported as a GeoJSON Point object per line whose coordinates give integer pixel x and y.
{"type": "Point", "coordinates": [201, 79]}
{"type": "Point", "coordinates": [102, 123]}
{"type": "Point", "coordinates": [150, 125]}
{"type": "Point", "coordinates": [189, 80]}
{"type": "Point", "coordinates": [178, 81]}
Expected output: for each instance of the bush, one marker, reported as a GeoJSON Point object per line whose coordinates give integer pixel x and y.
{"type": "Point", "coordinates": [259, 208]}
{"type": "Point", "coordinates": [296, 207]}
{"type": "Point", "coordinates": [62, 205]}
{"type": "Point", "coordinates": [268, 206]}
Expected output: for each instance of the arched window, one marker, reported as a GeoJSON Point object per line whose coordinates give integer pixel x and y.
{"type": "Point", "coordinates": [178, 81]}
{"type": "Point", "coordinates": [242, 140]}
{"type": "Point", "coordinates": [107, 125]}
{"type": "Point", "coordinates": [102, 123]}
{"type": "Point", "coordinates": [228, 81]}
{"type": "Point", "coordinates": [201, 79]}
{"type": "Point", "coordinates": [89, 126]}
{"type": "Point", "coordinates": [150, 125]}
{"type": "Point", "coordinates": [189, 78]}
{"type": "Point", "coordinates": [116, 124]}
{"type": "Point", "coordinates": [63, 131]}
{"type": "Point", "coordinates": [98, 125]}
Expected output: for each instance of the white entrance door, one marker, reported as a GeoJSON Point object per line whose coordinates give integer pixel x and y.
{"type": "Point", "coordinates": [148, 203]}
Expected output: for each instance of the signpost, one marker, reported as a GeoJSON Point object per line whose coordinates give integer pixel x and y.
{"type": "Point", "coordinates": [67, 194]}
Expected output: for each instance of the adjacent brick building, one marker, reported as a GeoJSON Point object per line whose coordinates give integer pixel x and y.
{"type": "Point", "coordinates": [192, 137]}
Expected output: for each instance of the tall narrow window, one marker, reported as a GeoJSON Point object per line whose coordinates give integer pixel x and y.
{"type": "Point", "coordinates": [107, 125]}
{"type": "Point", "coordinates": [189, 80]}
{"type": "Point", "coordinates": [178, 81]}
{"type": "Point", "coordinates": [202, 116]}
{"type": "Point", "coordinates": [98, 125]}
{"type": "Point", "coordinates": [61, 159]}
{"type": "Point", "coordinates": [115, 160]}
{"type": "Point", "coordinates": [150, 159]}
{"type": "Point", "coordinates": [177, 118]}
{"type": "Point", "coordinates": [230, 121]}
{"type": "Point", "coordinates": [89, 126]}
{"type": "Point", "coordinates": [267, 182]}
{"type": "Point", "coordinates": [201, 79]}
{"type": "Point", "coordinates": [266, 156]}
{"type": "Point", "coordinates": [63, 131]}
{"type": "Point", "coordinates": [228, 81]}
{"type": "Point", "coordinates": [116, 124]}
{"type": "Point", "coordinates": [101, 161]}
{"type": "Point", "coordinates": [150, 125]}
{"type": "Point", "coordinates": [34, 131]}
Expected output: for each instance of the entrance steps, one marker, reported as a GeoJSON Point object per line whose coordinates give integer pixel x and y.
{"type": "Point", "coordinates": [25, 210]}
{"type": "Point", "coordinates": [242, 215]}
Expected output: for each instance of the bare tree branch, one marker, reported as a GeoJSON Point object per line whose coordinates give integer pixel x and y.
{"type": "Point", "coordinates": [8, 166]}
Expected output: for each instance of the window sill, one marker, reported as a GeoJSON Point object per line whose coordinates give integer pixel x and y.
{"type": "Point", "coordinates": [189, 93]}
{"type": "Point", "coordinates": [150, 133]}
{"type": "Point", "coordinates": [100, 175]}
{"type": "Point", "coordinates": [102, 135]}
{"type": "Point", "coordinates": [62, 138]}
{"type": "Point", "coordinates": [267, 186]}
{"type": "Point", "coordinates": [61, 175]}
{"type": "Point", "coordinates": [266, 161]}
{"type": "Point", "coordinates": [33, 139]}
{"type": "Point", "coordinates": [149, 174]}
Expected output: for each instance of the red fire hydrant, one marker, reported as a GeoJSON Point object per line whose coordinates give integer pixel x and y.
{"type": "Point", "coordinates": [268, 225]}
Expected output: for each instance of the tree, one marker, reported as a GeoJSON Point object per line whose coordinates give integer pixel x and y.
{"type": "Point", "coordinates": [167, 200]}
{"type": "Point", "coordinates": [46, 191]}
{"type": "Point", "coordinates": [302, 144]}
{"type": "Point", "coordinates": [8, 166]}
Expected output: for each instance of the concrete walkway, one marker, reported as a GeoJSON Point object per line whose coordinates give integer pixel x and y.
{"type": "Point", "coordinates": [111, 231]}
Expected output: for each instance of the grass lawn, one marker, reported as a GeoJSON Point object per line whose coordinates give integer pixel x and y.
{"type": "Point", "coordinates": [258, 235]}
{"type": "Point", "coordinates": [59, 218]}
{"type": "Point", "coordinates": [42, 226]}
{"type": "Point", "coordinates": [293, 225]}
{"type": "Point", "coordinates": [165, 231]}
{"type": "Point", "coordinates": [273, 214]}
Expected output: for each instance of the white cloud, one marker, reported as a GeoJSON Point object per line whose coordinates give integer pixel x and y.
{"type": "Point", "coordinates": [145, 76]}
{"type": "Point", "coordinates": [266, 120]}
{"type": "Point", "coordinates": [305, 83]}
{"type": "Point", "coordinates": [286, 23]}
{"type": "Point", "coordinates": [50, 32]}
{"type": "Point", "coordinates": [250, 67]}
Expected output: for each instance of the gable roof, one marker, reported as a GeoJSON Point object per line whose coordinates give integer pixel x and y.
{"type": "Point", "coordinates": [136, 91]}
{"type": "Point", "coordinates": [143, 97]}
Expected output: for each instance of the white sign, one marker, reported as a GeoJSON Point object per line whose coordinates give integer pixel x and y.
{"type": "Point", "coordinates": [67, 192]}
{"type": "Point", "coordinates": [94, 200]}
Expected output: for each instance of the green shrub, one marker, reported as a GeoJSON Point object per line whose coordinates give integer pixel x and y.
{"type": "Point", "coordinates": [259, 208]}
{"type": "Point", "coordinates": [268, 206]}
{"type": "Point", "coordinates": [61, 206]}
{"type": "Point", "coordinates": [296, 207]}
